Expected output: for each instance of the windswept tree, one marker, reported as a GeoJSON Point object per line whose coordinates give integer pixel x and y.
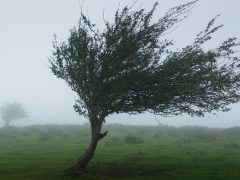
{"type": "Point", "coordinates": [12, 111]}
{"type": "Point", "coordinates": [129, 68]}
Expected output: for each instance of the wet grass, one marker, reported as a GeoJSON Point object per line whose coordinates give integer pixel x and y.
{"type": "Point", "coordinates": [45, 152]}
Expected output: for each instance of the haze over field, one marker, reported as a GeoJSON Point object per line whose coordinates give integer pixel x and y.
{"type": "Point", "coordinates": [26, 34]}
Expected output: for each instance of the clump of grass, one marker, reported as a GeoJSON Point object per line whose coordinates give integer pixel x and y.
{"type": "Point", "coordinates": [131, 139]}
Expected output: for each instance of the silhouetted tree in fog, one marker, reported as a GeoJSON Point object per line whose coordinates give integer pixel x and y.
{"type": "Point", "coordinates": [12, 111]}
{"type": "Point", "coordinates": [129, 68]}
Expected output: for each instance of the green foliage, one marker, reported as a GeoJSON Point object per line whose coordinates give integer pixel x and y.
{"type": "Point", "coordinates": [129, 67]}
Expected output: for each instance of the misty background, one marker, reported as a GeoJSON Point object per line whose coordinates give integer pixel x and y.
{"type": "Point", "coordinates": [26, 34]}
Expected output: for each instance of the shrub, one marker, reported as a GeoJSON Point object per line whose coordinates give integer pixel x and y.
{"type": "Point", "coordinates": [131, 139]}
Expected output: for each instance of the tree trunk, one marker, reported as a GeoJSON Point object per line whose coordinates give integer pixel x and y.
{"type": "Point", "coordinates": [80, 167]}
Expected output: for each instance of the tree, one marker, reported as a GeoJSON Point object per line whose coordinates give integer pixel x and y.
{"type": "Point", "coordinates": [129, 68]}
{"type": "Point", "coordinates": [12, 111]}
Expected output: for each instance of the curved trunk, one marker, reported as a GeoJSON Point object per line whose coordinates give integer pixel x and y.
{"type": "Point", "coordinates": [80, 166]}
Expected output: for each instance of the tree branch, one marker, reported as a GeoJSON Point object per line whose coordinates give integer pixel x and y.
{"type": "Point", "coordinates": [102, 135]}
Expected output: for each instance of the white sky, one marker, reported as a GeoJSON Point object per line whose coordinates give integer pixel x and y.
{"type": "Point", "coordinates": [26, 34]}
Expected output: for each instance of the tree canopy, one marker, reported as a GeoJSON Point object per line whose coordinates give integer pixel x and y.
{"type": "Point", "coordinates": [12, 111]}
{"type": "Point", "coordinates": [128, 68]}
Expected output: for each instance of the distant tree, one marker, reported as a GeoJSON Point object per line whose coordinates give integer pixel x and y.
{"type": "Point", "coordinates": [129, 68]}
{"type": "Point", "coordinates": [12, 111]}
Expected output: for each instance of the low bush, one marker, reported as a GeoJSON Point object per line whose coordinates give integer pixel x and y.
{"type": "Point", "coordinates": [131, 139]}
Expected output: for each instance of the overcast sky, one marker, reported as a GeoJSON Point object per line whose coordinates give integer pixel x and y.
{"type": "Point", "coordinates": [26, 34]}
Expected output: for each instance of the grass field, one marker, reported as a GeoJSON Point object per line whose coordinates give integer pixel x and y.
{"type": "Point", "coordinates": [128, 152]}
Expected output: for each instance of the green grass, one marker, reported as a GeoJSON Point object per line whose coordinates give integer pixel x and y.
{"type": "Point", "coordinates": [45, 152]}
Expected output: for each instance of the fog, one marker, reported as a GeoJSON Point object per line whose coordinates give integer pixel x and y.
{"type": "Point", "coordinates": [26, 34]}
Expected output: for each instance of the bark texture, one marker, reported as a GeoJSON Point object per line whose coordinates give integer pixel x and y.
{"type": "Point", "coordinates": [81, 165]}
